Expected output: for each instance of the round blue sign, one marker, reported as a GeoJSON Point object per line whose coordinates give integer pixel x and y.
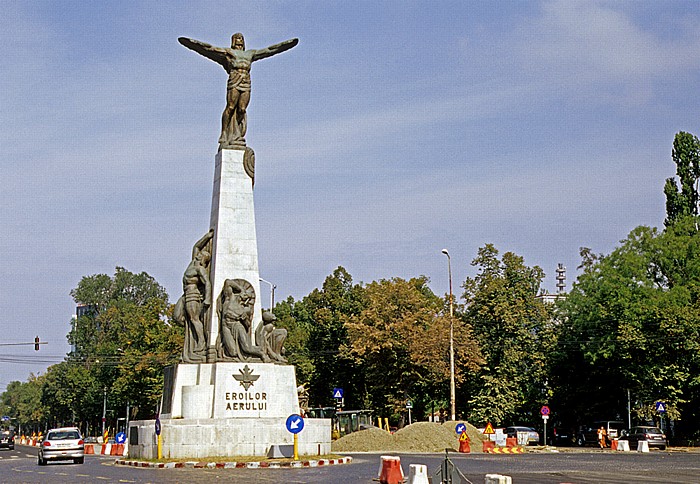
{"type": "Point", "coordinates": [158, 426]}
{"type": "Point", "coordinates": [295, 423]}
{"type": "Point", "coordinates": [120, 438]}
{"type": "Point", "coordinates": [460, 428]}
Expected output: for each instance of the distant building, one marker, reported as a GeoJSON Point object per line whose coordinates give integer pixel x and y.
{"type": "Point", "coordinates": [561, 287]}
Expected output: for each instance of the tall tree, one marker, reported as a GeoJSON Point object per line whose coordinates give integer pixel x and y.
{"type": "Point", "coordinates": [397, 342]}
{"type": "Point", "coordinates": [323, 311]}
{"type": "Point", "coordinates": [126, 341]}
{"type": "Point", "coordinates": [683, 201]}
{"type": "Point", "coordinates": [515, 332]}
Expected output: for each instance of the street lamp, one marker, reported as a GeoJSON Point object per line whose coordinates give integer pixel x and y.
{"type": "Point", "coordinates": [452, 347]}
{"type": "Point", "coordinates": [272, 292]}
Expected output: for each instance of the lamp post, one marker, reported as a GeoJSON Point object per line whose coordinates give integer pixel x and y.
{"type": "Point", "coordinates": [272, 292]}
{"type": "Point", "coordinates": [104, 412]}
{"type": "Point", "coordinates": [452, 347]}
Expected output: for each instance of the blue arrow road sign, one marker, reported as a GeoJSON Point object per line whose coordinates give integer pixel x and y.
{"type": "Point", "coordinates": [120, 438]}
{"type": "Point", "coordinates": [158, 426]}
{"type": "Point", "coordinates": [337, 393]}
{"type": "Point", "coordinates": [661, 407]}
{"type": "Point", "coordinates": [460, 428]}
{"type": "Point", "coordinates": [295, 423]}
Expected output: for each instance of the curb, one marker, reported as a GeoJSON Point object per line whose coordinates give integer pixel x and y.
{"type": "Point", "coordinates": [235, 465]}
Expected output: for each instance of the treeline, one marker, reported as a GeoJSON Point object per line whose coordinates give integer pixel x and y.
{"type": "Point", "coordinates": [629, 328]}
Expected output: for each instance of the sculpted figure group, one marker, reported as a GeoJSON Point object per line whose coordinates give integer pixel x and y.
{"type": "Point", "coordinates": [234, 306]}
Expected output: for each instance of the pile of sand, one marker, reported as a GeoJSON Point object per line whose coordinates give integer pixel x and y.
{"type": "Point", "coordinates": [418, 437]}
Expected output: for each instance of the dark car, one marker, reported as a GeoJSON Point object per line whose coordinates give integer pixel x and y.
{"type": "Point", "coordinates": [7, 439]}
{"type": "Point", "coordinates": [653, 435]}
{"type": "Point", "coordinates": [588, 434]}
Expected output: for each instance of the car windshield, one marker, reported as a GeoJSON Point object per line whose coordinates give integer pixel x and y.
{"type": "Point", "coordinates": [652, 431]}
{"type": "Point", "coordinates": [64, 435]}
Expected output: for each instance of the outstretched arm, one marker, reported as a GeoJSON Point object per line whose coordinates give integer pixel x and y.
{"type": "Point", "coordinates": [217, 54]}
{"type": "Point", "coordinates": [275, 49]}
{"type": "Point", "coordinates": [202, 243]}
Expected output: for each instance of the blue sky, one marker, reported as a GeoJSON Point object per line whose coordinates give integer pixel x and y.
{"type": "Point", "coordinates": [393, 130]}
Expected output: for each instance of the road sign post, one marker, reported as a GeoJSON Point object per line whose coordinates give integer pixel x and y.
{"type": "Point", "coordinates": [544, 411]}
{"type": "Point", "coordinates": [295, 424]}
{"type": "Point", "coordinates": [160, 442]}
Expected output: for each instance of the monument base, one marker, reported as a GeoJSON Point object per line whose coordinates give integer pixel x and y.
{"type": "Point", "coordinates": [229, 390]}
{"type": "Point", "coordinates": [225, 437]}
{"type": "Point", "coordinates": [227, 410]}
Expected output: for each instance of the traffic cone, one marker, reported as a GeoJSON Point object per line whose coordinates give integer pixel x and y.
{"type": "Point", "coordinates": [464, 443]}
{"type": "Point", "coordinates": [391, 472]}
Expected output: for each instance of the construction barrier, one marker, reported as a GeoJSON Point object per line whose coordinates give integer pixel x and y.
{"type": "Point", "coordinates": [418, 474]}
{"type": "Point", "coordinates": [117, 449]}
{"type": "Point", "coordinates": [464, 446]}
{"type": "Point", "coordinates": [613, 444]}
{"type": "Point", "coordinates": [497, 479]}
{"type": "Point", "coordinates": [511, 441]}
{"type": "Point", "coordinates": [488, 446]}
{"type": "Point", "coordinates": [623, 445]}
{"type": "Point", "coordinates": [106, 449]}
{"type": "Point", "coordinates": [642, 446]}
{"type": "Point", "coordinates": [507, 450]}
{"type": "Point", "coordinates": [89, 449]}
{"type": "Point", "coordinates": [391, 471]}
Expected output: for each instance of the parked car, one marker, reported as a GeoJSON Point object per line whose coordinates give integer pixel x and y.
{"type": "Point", "coordinates": [563, 436]}
{"type": "Point", "coordinates": [532, 438]}
{"type": "Point", "coordinates": [7, 439]}
{"type": "Point", "coordinates": [588, 434]}
{"type": "Point", "coordinates": [653, 435]}
{"type": "Point", "coordinates": [64, 443]}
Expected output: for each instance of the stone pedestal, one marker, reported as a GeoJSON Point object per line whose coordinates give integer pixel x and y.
{"type": "Point", "coordinates": [227, 409]}
{"type": "Point", "coordinates": [231, 390]}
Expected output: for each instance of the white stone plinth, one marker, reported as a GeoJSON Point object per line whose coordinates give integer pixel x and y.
{"type": "Point", "coordinates": [233, 390]}
{"type": "Point", "coordinates": [199, 438]}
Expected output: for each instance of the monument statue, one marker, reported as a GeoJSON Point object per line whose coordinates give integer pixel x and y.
{"type": "Point", "coordinates": [193, 307]}
{"type": "Point", "coordinates": [236, 61]}
{"type": "Point", "coordinates": [271, 338]}
{"type": "Point", "coordinates": [235, 308]}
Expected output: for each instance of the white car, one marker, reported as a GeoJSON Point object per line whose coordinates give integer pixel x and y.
{"type": "Point", "coordinates": [62, 444]}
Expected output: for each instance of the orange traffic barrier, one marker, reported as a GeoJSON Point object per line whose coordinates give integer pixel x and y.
{"type": "Point", "coordinates": [391, 472]}
{"type": "Point", "coordinates": [89, 449]}
{"type": "Point", "coordinates": [488, 446]}
{"type": "Point", "coordinates": [511, 442]}
{"type": "Point", "coordinates": [464, 443]}
{"type": "Point", "coordinates": [117, 449]}
{"type": "Point", "coordinates": [613, 445]}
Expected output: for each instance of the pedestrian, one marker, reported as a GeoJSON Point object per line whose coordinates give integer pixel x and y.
{"type": "Point", "coordinates": [601, 437]}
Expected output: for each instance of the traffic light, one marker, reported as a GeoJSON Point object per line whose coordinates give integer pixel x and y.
{"type": "Point", "coordinates": [36, 344]}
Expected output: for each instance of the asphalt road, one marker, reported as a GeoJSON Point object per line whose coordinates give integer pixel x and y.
{"type": "Point", "coordinates": [590, 466]}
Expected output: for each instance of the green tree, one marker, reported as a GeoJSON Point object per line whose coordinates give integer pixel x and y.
{"type": "Point", "coordinates": [633, 322]}
{"type": "Point", "coordinates": [324, 311]}
{"type": "Point", "coordinates": [399, 343]}
{"type": "Point", "coordinates": [125, 343]}
{"type": "Point", "coordinates": [683, 201]}
{"type": "Point", "coordinates": [516, 335]}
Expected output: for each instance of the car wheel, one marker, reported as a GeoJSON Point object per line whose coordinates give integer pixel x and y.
{"type": "Point", "coordinates": [580, 441]}
{"type": "Point", "coordinates": [662, 447]}
{"type": "Point", "coordinates": [79, 460]}
{"type": "Point", "coordinates": [41, 461]}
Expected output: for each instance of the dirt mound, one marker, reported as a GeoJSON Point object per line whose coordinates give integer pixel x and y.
{"type": "Point", "coordinates": [369, 440]}
{"type": "Point", "coordinates": [418, 437]}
